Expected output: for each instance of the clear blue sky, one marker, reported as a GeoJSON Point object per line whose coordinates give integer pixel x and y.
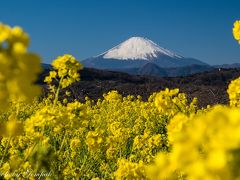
{"type": "Point", "coordinates": [193, 28]}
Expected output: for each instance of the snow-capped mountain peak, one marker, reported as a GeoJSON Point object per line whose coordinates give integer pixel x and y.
{"type": "Point", "coordinates": [138, 48]}
{"type": "Point", "coordinates": [135, 53]}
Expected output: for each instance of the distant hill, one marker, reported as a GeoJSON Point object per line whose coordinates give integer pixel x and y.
{"type": "Point", "coordinates": [152, 69]}
{"type": "Point", "coordinates": [188, 70]}
{"type": "Point", "coordinates": [228, 66]}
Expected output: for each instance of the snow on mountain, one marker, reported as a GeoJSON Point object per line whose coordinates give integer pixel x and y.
{"type": "Point", "coordinates": [137, 48]}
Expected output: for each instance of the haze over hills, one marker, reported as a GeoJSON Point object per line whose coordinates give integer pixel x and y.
{"type": "Point", "coordinates": [137, 52]}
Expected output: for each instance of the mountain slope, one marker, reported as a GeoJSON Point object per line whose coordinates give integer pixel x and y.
{"type": "Point", "coordinates": [208, 87]}
{"type": "Point", "coordinates": [136, 52]}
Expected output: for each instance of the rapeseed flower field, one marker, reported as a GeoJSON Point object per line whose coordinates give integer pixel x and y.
{"type": "Point", "coordinates": [166, 137]}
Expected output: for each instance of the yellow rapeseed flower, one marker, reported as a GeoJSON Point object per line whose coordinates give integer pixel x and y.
{"type": "Point", "coordinates": [236, 30]}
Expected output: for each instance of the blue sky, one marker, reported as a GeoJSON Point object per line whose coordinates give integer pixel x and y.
{"type": "Point", "coordinates": [193, 28]}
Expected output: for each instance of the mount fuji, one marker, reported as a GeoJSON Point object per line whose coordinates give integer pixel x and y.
{"type": "Point", "coordinates": [136, 52]}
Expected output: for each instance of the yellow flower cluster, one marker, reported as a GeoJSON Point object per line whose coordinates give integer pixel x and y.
{"type": "Point", "coordinates": [234, 92]}
{"type": "Point", "coordinates": [207, 148]}
{"type": "Point", "coordinates": [116, 137]}
{"type": "Point", "coordinates": [65, 72]}
{"type": "Point", "coordinates": [236, 30]}
{"type": "Point", "coordinates": [171, 102]}
{"type": "Point", "coordinates": [94, 140]}
{"type": "Point", "coordinates": [130, 170]}
{"type": "Point", "coordinates": [18, 68]}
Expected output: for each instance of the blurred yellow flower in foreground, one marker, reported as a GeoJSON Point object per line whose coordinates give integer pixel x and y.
{"type": "Point", "coordinates": [236, 30]}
